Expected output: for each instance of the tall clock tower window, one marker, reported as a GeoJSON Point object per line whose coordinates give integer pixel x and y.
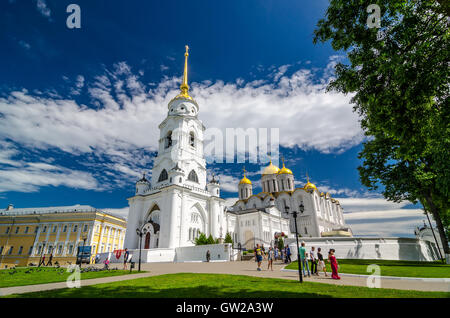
{"type": "Point", "coordinates": [193, 176]}
{"type": "Point", "coordinates": [192, 139]}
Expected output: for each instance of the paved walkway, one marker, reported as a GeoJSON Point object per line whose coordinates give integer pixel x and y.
{"type": "Point", "coordinates": [239, 268]}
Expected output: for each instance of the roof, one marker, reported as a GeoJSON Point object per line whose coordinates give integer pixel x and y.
{"type": "Point", "coordinates": [77, 208]}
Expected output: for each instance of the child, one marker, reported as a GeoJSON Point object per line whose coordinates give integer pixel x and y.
{"type": "Point", "coordinates": [106, 262]}
{"type": "Point", "coordinates": [270, 257]}
{"type": "Point", "coordinates": [321, 263]}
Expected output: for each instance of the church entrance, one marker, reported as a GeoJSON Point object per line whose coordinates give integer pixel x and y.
{"type": "Point", "coordinates": [249, 238]}
{"type": "Point", "coordinates": [147, 241]}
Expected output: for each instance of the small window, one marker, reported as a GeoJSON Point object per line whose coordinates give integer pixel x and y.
{"type": "Point", "coordinates": [191, 139]}
{"type": "Point", "coordinates": [54, 229]}
{"type": "Point", "coordinates": [163, 176]}
{"type": "Point", "coordinates": [85, 228]}
{"type": "Point", "coordinates": [1, 250]}
{"type": "Point", "coordinates": [65, 228]}
{"type": "Point", "coordinates": [26, 229]}
{"type": "Point", "coordinates": [45, 229]}
{"type": "Point", "coordinates": [30, 250]}
{"type": "Point", "coordinates": [36, 229]}
{"type": "Point", "coordinates": [70, 249]}
{"type": "Point", "coordinates": [7, 230]}
{"type": "Point", "coordinates": [168, 140]}
{"type": "Point", "coordinates": [20, 250]}
{"type": "Point", "coordinates": [10, 250]}
{"type": "Point", "coordinates": [193, 176]}
{"type": "Point", "coordinates": [60, 249]}
{"type": "Point", "coordinates": [75, 228]}
{"type": "Point", "coordinates": [17, 230]}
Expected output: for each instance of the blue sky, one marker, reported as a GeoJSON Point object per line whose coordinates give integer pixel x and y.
{"type": "Point", "coordinates": [79, 108]}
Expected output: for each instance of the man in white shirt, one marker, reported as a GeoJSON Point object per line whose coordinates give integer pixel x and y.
{"type": "Point", "coordinates": [312, 257]}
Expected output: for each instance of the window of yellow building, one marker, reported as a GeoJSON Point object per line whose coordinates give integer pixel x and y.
{"type": "Point", "coordinates": [75, 228]}
{"type": "Point", "coordinates": [30, 250]}
{"type": "Point", "coordinates": [65, 229]}
{"type": "Point", "coordinates": [26, 230]}
{"type": "Point", "coordinates": [45, 229]}
{"type": "Point", "coordinates": [20, 250]}
{"type": "Point", "coordinates": [10, 250]}
{"type": "Point", "coordinates": [17, 230]}
{"type": "Point", "coordinates": [7, 230]}
{"type": "Point", "coordinates": [85, 228]}
{"type": "Point", "coordinates": [36, 229]}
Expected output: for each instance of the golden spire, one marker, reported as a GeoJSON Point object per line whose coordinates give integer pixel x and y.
{"type": "Point", "coordinates": [184, 87]}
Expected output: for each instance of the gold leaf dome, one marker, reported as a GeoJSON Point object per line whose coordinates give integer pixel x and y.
{"type": "Point", "coordinates": [309, 185]}
{"type": "Point", "coordinates": [270, 169]}
{"type": "Point", "coordinates": [245, 180]}
{"type": "Point", "coordinates": [284, 170]}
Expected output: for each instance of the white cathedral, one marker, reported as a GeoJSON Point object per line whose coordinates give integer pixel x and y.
{"type": "Point", "coordinates": [178, 204]}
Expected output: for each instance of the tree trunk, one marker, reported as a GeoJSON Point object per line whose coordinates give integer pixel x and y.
{"type": "Point", "coordinates": [437, 218]}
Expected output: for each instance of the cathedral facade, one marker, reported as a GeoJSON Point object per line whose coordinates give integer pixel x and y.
{"type": "Point", "coordinates": [318, 214]}
{"type": "Point", "coordinates": [177, 204]}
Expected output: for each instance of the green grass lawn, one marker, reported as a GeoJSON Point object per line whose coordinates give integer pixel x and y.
{"type": "Point", "coordinates": [188, 285]}
{"type": "Point", "coordinates": [390, 268]}
{"type": "Point", "coordinates": [45, 275]}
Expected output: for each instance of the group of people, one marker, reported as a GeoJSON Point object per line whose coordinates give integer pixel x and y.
{"type": "Point", "coordinates": [317, 262]}
{"type": "Point", "coordinates": [306, 258]}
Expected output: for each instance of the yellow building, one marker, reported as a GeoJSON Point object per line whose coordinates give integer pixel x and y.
{"type": "Point", "coordinates": [28, 234]}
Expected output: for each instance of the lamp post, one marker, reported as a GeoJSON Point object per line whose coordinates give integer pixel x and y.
{"type": "Point", "coordinates": [294, 214]}
{"type": "Point", "coordinates": [140, 232]}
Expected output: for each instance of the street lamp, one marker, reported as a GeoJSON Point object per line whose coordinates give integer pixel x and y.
{"type": "Point", "coordinates": [140, 232]}
{"type": "Point", "coordinates": [294, 214]}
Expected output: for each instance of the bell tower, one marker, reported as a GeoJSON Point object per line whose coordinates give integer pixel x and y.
{"type": "Point", "coordinates": [181, 141]}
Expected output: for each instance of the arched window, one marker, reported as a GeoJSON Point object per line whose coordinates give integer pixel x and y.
{"type": "Point", "coordinates": [163, 176]}
{"type": "Point", "coordinates": [193, 176]}
{"type": "Point", "coordinates": [168, 141]}
{"type": "Point", "coordinates": [289, 183]}
{"type": "Point", "coordinates": [191, 139]}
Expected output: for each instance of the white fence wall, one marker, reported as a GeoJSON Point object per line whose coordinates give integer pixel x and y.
{"type": "Point", "coordinates": [389, 248]}
{"type": "Point", "coordinates": [219, 252]}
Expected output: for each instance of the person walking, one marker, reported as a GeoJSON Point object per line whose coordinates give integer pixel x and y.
{"type": "Point", "coordinates": [303, 259]}
{"type": "Point", "coordinates": [125, 258]}
{"type": "Point", "coordinates": [208, 255]}
{"type": "Point", "coordinates": [42, 262]}
{"type": "Point", "coordinates": [321, 264]}
{"type": "Point", "coordinates": [270, 257]}
{"type": "Point", "coordinates": [313, 259]}
{"type": "Point", "coordinates": [259, 256]}
{"type": "Point", "coordinates": [50, 258]}
{"type": "Point", "coordinates": [334, 264]}
{"type": "Point", "coordinates": [275, 253]}
{"type": "Point", "coordinates": [288, 254]}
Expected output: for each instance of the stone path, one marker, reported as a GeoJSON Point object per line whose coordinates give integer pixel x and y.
{"type": "Point", "coordinates": [240, 268]}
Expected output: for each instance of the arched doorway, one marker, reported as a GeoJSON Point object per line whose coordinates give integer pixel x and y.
{"type": "Point", "coordinates": [147, 240]}
{"type": "Point", "coordinates": [249, 238]}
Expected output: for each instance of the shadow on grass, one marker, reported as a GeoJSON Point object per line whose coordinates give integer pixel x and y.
{"type": "Point", "coordinates": [202, 291]}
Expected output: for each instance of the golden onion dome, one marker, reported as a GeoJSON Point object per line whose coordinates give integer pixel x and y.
{"type": "Point", "coordinates": [245, 180]}
{"type": "Point", "coordinates": [309, 185]}
{"type": "Point", "coordinates": [270, 169]}
{"type": "Point", "coordinates": [284, 170]}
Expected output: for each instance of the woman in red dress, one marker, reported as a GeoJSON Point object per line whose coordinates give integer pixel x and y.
{"type": "Point", "coordinates": [334, 264]}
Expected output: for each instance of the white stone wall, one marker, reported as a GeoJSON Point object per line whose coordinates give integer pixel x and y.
{"type": "Point", "coordinates": [407, 249]}
{"type": "Point", "coordinates": [219, 252]}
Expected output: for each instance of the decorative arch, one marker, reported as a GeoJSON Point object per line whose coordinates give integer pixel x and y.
{"type": "Point", "coordinates": [193, 176]}
{"type": "Point", "coordinates": [163, 175]}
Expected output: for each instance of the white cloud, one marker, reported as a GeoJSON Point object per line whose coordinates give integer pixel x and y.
{"type": "Point", "coordinates": [381, 218]}
{"type": "Point", "coordinates": [125, 113]}
{"type": "Point", "coordinates": [41, 5]}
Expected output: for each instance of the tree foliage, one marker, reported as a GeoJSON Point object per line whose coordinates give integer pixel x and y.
{"type": "Point", "coordinates": [228, 238]}
{"type": "Point", "coordinates": [399, 78]}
